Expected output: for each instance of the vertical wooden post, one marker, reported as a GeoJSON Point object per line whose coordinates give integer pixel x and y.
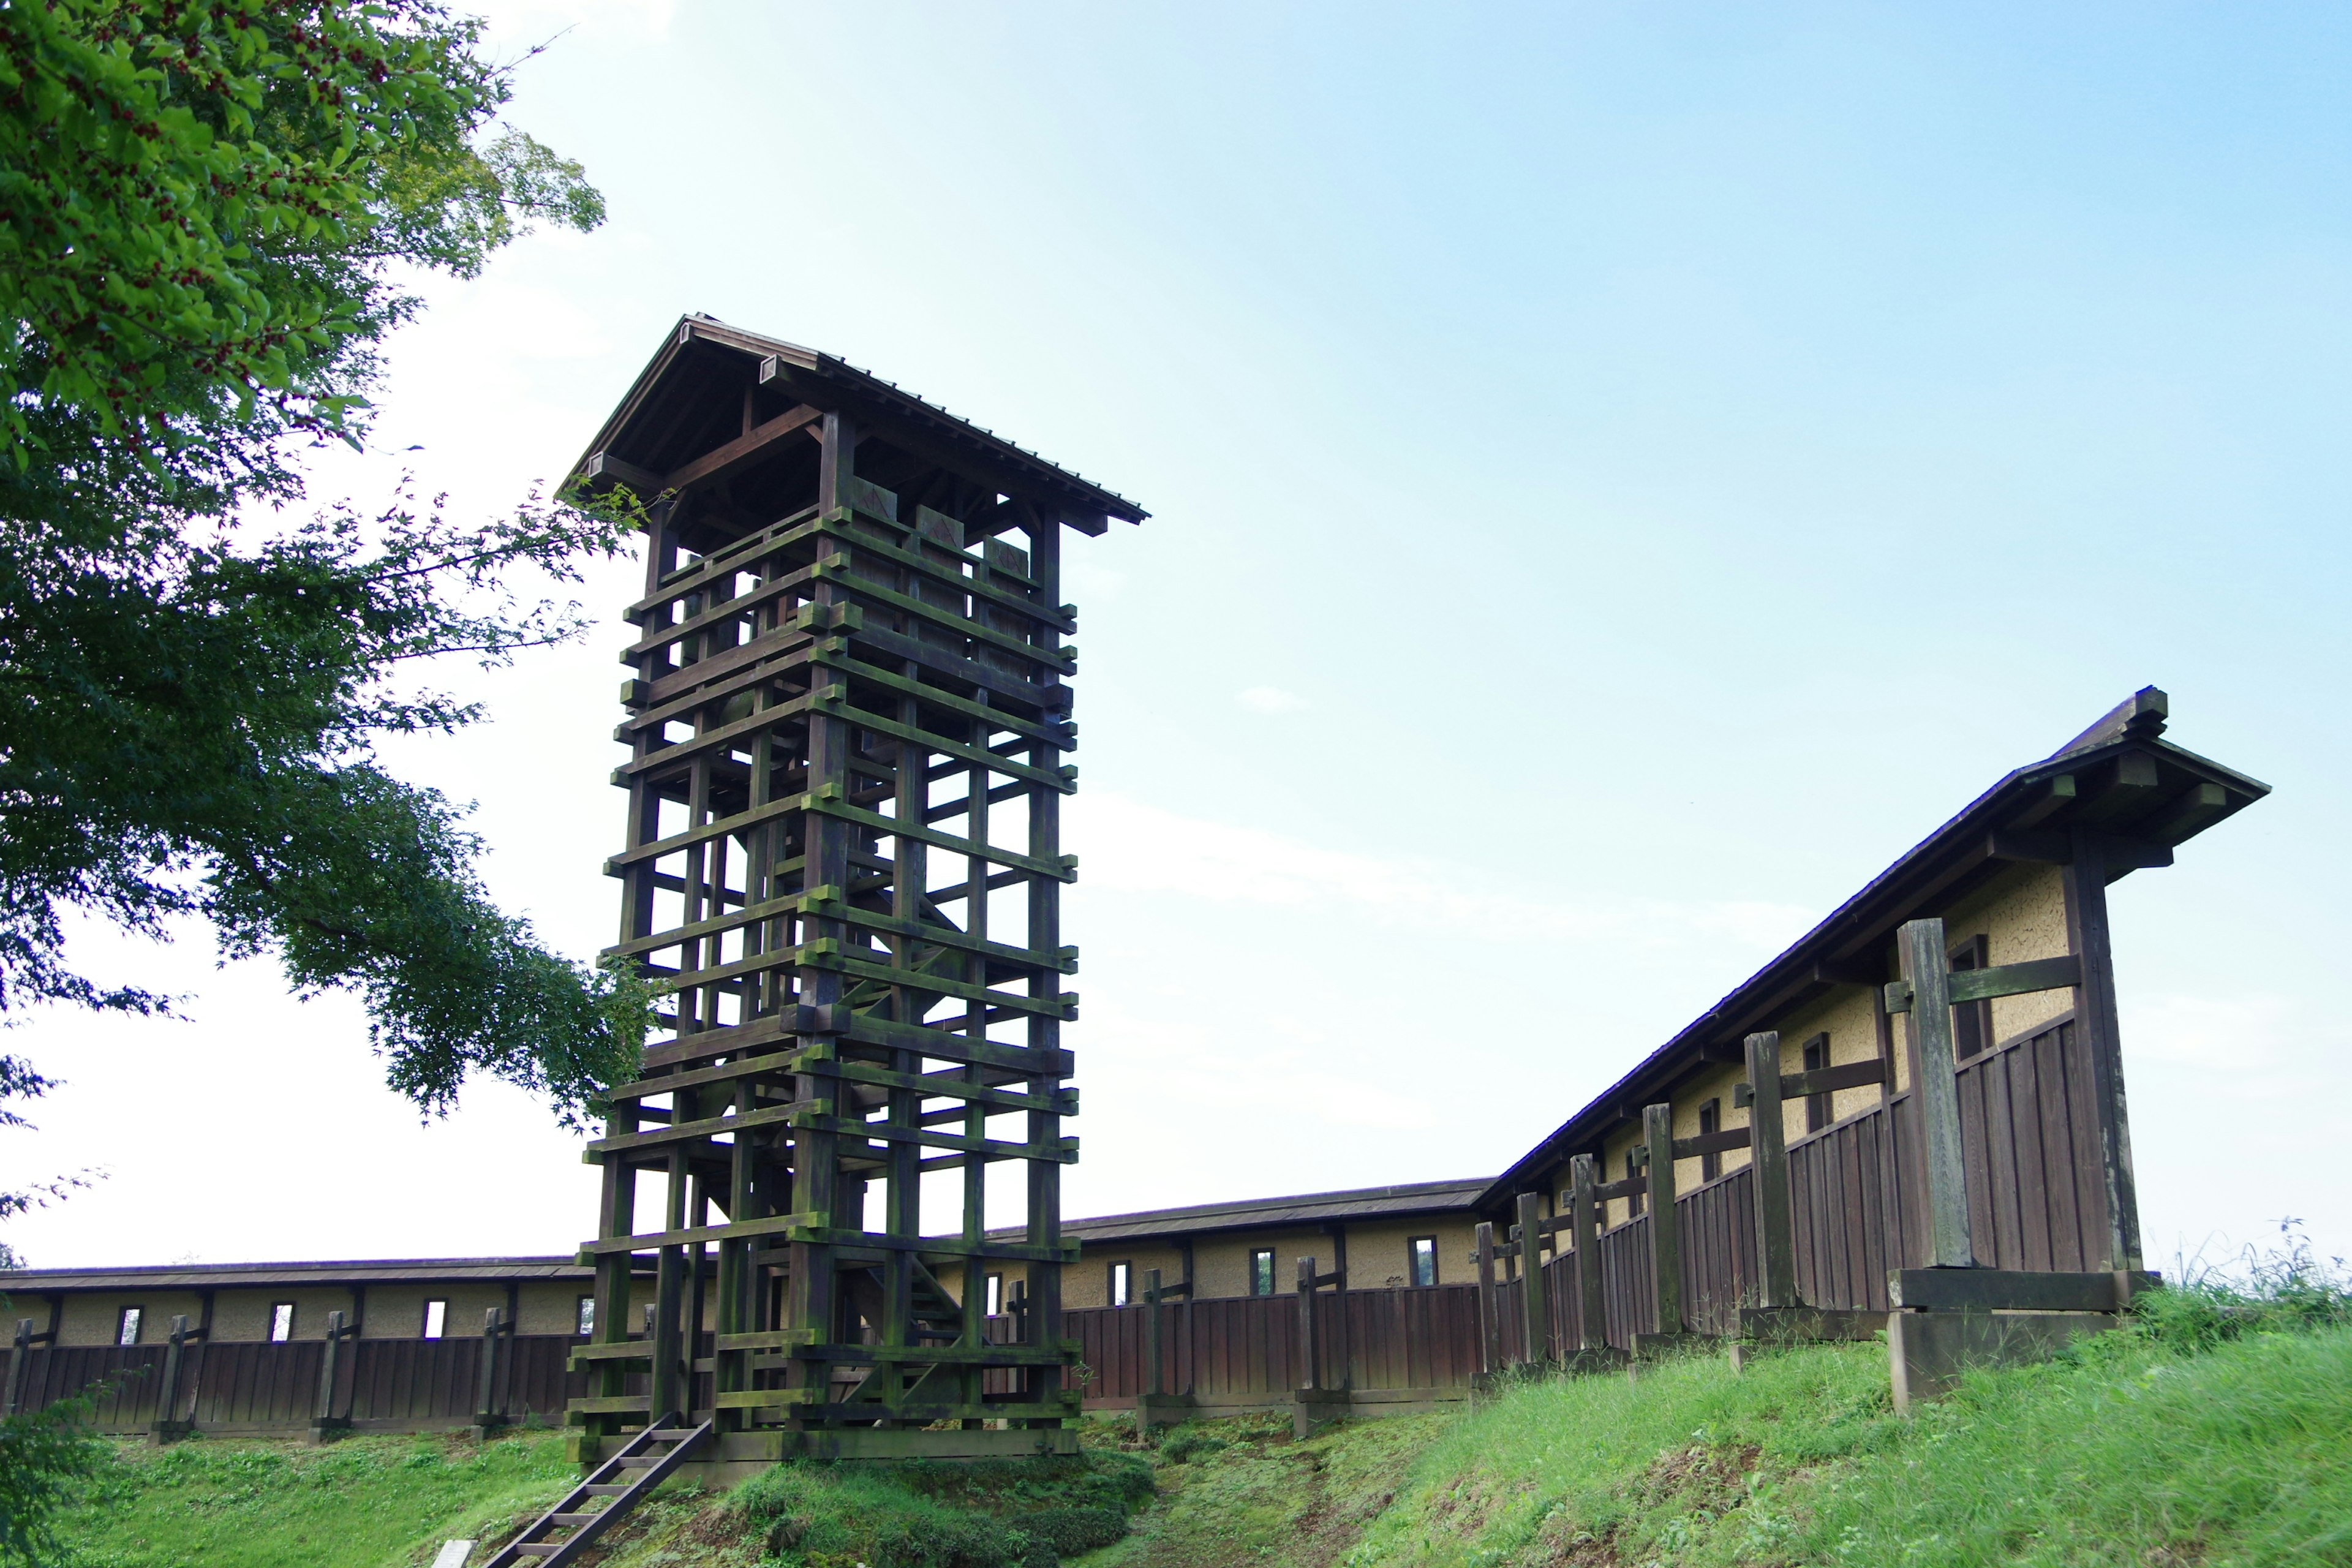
{"type": "Point", "coordinates": [1490, 1316]}
{"type": "Point", "coordinates": [489, 1411]}
{"type": "Point", "coordinates": [166, 1425]}
{"type": "Point", "coordinates": [1593, 1305]}
{"type": "Point", "coordinates": [331, 1355]}
{"type": "Point", "coordinates": [1666, 1234]}
{"type": "Point", "coordinates": [2090, 940]}
{"type": "Point", "coordinates": [1767, 1144]}
{"type": "Point", "coordinates": [1927, 968]}
{"type": "Point", "coordinates": [1155, 1370]}
{"type": "Point", "coordinates": [1309, 1346]}
{"type": "Point", "coordinates": [1535, 1296]}
{"type": "Point", "coordinates": [20, 1365]}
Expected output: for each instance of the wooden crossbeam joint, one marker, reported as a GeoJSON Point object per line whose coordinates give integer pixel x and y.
{"type": "Point", "coordinates": [2002, 980]}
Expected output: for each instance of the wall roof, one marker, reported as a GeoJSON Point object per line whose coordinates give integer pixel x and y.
{"type": "Point", "coordinates": [231, 1276]}
{"type": "Point", "coordinates": [2119, 776]}
{"type": "Point", "coordinates": [1265, 1214]}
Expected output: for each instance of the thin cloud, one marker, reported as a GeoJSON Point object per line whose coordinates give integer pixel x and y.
{"type": "Point", "coordinates": [1134, 846]}
{"type": "Point", "coordinates": [1271, 700]}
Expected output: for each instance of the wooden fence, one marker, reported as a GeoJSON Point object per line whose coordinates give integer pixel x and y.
{"type": "Point", "coordinates": [1858, 1209]}
{"type": "Point", "coordinates": [234, 1389]}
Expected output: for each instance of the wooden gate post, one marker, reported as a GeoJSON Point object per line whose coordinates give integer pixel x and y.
{"type": "Point", "coordinates": [1535, 1295]}
{"type": "Point", "coordinates": [1666, 1238]}
{"type": "Point", "coordinates": [1155, 1370]}
{"type": "Point", "coordinates": [1584, 1217]}
{"type": "Point", "coordinates": [1490, 1316]}
{"type": "Point", "coordinates": [1768, 1141]}
{"type": "Point", "coordinates": [1926, 967]}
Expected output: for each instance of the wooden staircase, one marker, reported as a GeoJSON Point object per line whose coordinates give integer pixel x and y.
{"type": "Point", "coordinates": [560, 1534]}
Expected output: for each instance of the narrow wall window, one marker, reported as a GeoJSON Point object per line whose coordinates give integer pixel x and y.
{"type": "Point", "coordinates": [1632, 1169]}
{"type": "Point", "coordinates": [1710, 1121]}
{"type": "Point", "coordinates": [126, 1326]}
{"type": "Point", "coordinates": [1262, 1271]}
{"type": "Point", "coordinates": [1971, 1021]}
{"type": "Point", "coordinates": [1122, 1283]}
{"type": "Point", "coordinates": [1817, 1106]}
{"type": "Point", "coordinates": [281, 1323]}
{"type": "Point", "coordinates": [995, 1295]}
{"type": "Point", "coordinates": [436, 1318]}
{"type": "Point", "coordinates": [585, 1317]}
{"type": "Point", "coordinates": [1423, 1250]}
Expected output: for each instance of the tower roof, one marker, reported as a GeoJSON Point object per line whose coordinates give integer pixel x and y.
{"type": "Point", "coordinates": [692, 400]}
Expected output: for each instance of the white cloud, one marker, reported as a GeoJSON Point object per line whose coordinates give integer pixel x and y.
{"type": "Point", "coordinates": [1271, 700]}
{"type": "Point", "coordinates": [1134, 846]}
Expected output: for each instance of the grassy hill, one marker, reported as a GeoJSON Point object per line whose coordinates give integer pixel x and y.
{"type": "Point", "coordinates": [2212, 1430]}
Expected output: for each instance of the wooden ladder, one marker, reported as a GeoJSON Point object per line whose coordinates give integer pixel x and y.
{"type": "Point", "coordinates": [624, 1480]}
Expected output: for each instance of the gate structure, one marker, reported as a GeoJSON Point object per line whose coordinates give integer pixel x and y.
{"type": "Point", "coordinates": [848, 725]}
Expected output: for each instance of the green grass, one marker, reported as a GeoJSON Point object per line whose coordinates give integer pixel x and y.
{"type": "Point", "coordinates": [2210, 1431]}
{"type": "Point", "coordinates": [365, 1502]}
{"type": "Point", "coordinates": [2213, 1429]}
{"type": "Point", "coordinates": [989, 1514]}
{"type": "Point", "coordinates": [1241, 1491]}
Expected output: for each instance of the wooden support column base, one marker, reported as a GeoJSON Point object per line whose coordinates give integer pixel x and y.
{"type": "Point", "coordinates": [164, 1432]}
{"type": "Point", "coordinates": [1929, 1352]}
{"type": "Point", "coordinates": [1798, 1325]}
{"type": "Point", "coordinates": [1164, 1410]}
{"type": "Point", "coordinates": [1316, 1407]}
{"type": "Point", "coordinates": [487, 1426]}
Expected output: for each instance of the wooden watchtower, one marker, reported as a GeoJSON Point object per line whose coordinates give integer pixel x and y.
{"type": "Point", "coordinates": [847, 723]}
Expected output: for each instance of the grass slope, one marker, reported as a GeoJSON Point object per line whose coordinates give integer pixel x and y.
{"type": "Point", "coordinates": [2209, 1432]}
{"type": "Point", "coordinates": [365, 1502]}
{"type": "Point", "coordinates": [2212, 1430]}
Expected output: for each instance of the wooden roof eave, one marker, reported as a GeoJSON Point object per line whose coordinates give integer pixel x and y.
{"type": "Point", "coordinates": [1084, 499]}
{"type": "Point", "coordinates": [1922, 878]}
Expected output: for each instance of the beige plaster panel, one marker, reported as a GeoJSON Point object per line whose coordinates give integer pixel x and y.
{"type": "Point", "coordinates": [1380, 1252]}
{"type": "Point", "coordinates": [92, 1319]}
{"type": "Point", "coordinates": [1087, 1283]}
{"type": "Point", "coordinates": [1221, 1263]}
{"type": "Point", "coordinates": [397, 1311]}
{"type": "Point", "coordinates": [1852, 1020]}
{"type": "Point", "coordinates": [244, 1314]}
{"type": "Point", "coordinates": [551, 1306]}
{"type": "Point", "coordinates": [2024, 916]}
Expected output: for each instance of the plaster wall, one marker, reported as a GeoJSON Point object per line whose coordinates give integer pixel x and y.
{"type": "Point", "coordinates": [2022, 916]}
{"type": "Point", "coordinates": [92, 1319]}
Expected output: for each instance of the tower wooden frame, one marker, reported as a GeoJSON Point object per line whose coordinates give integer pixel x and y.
{"type": "Point", "coordinates": [848, 724]}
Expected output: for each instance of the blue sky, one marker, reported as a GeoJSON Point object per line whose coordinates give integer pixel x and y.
{"type": "Point", "coordinates": [1620, 475]}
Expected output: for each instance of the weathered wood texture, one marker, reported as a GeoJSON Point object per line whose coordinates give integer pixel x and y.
{"type": "Point", "coordinates": [2030, 1142]}
{"type": "Point", "coordinates": [848, 729]}
{"type": "Point", "coordinates": [244, 1388]}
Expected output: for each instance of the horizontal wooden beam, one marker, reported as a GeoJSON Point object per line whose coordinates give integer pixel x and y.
{"type": "Point", "coordinates": [744, 450]}
{"type": "Point", "coordinates": [2007, 1289]}
{"type": "Point", "coordinates": [615, 470]}
{"type": "Point", "coordinates": [2001, 980]}
{"type": "Point", "coordinates": [1818, 1081]}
